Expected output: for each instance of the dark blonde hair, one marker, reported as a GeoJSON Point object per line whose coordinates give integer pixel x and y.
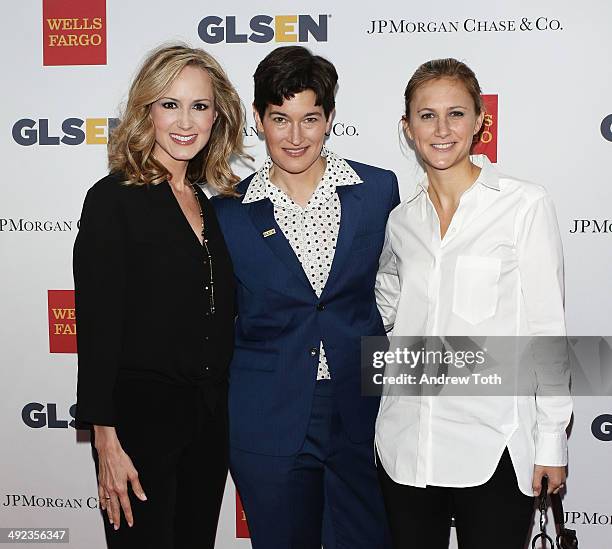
{"type": "Point", "coordinates": [444, 68]}
{"type": "Point", "coordinates": [131, 143]}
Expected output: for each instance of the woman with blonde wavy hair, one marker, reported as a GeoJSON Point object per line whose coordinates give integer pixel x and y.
{"type": "Point", "coordinates": [155, 305]}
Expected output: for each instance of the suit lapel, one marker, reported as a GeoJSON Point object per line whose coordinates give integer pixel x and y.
{"type": "Point", "coordinates": [351, 204]}
{"type": "Point", "coordinates": [262, 215]}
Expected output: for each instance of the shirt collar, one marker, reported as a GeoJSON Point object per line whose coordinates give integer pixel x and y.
{"type": "Point", "coordinates": [488, 177]}
{"type": "Point", "coordinates": [338, 172]}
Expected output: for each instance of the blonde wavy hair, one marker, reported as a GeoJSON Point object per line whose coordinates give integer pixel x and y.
{"type": "Point", "coordinates": [130, 148]}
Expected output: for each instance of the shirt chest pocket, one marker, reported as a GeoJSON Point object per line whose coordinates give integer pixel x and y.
{"type": "Point", "coordinates": [475, 292]}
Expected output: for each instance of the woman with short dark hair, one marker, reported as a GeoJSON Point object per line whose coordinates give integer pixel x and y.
{"type": "Point", "coordinates": [305, 238]}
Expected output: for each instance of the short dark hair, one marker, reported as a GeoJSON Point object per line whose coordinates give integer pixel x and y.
{"type": "Point", "coordinates": [292, 69]}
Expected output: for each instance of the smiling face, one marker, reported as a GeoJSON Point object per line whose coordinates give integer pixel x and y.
{"type": "Point", "coordinates": [442, 123]}
{"type": "Point", "coordinates": [183, 118]}
{"type": "Point", "coordinates": [295, 133]}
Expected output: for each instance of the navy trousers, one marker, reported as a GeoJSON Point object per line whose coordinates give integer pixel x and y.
{"type": "Point", "coordinates": [328, 493]}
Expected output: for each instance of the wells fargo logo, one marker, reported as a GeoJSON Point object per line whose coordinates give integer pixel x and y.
{"type": "Point", "coordinates": [213, 29]}
{"type": "Point", "coordinates": [74, 32]}
{"type": "Point", "coordinates": [62, 321]}
{"type": "Point", "coordinates": [242, 528]}
{"type": "Point", "coordinates": [488, 138]}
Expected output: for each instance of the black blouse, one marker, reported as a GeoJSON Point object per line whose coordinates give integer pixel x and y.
{"type": "Point", "coordinates": [143, 298]}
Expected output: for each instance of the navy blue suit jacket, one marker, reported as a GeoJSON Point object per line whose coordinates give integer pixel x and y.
{"type": "Point", "coordinates": [281, 321]}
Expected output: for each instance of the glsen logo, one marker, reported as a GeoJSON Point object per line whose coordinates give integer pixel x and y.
{"type": "Point", "coordinates": [37, 415]}
{"type": "Point", "coordinates": [242, 528]}
{"type": "Point", "coordinates": [264, 28]}
{"type": "Point", "coordinates": [591, 226]}
{"type": "Point", "coordinates": [606, 128]}
{"type": "Point", "coordinates": [74, 32]}
{"type": "Point", "coordinates": [27, 131]}
{"type": "Point", "coordinates": [602, 427]}
{"type": "Point", "coordinates": [23, 500]}
{"type": "Point", "coordinates": [62, 322]}
{"type": "Point", "coordinates": [488, 138]}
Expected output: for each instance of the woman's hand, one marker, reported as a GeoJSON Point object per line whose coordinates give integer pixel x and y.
{"type": "Point", "coordinates": [556, 478]}
{"type": "Point", "coordinates": [115, 471]}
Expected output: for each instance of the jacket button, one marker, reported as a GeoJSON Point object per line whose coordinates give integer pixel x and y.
{"type": "Point", "coordinates": [314, 351]}
{"type": "Point", "coordinates": [320, 307]}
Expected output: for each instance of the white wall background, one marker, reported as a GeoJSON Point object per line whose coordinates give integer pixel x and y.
{"type": "Point", "coordinates": [554, 88]}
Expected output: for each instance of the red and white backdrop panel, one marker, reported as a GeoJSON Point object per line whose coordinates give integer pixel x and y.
{"type": "Point", "coordinates": [67, 64]}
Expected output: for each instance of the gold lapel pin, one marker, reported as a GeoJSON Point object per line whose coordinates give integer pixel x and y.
{"type": "Point", "coordinates": [269, 232]}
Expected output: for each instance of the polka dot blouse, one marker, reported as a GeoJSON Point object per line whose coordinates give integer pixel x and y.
{"type": "Point", "coordinates": [312, 230]}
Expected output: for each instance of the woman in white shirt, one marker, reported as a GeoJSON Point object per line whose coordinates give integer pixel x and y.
{"type": "Point", "coordinates": [470, 253]}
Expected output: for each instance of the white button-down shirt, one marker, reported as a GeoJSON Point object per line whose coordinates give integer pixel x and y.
{"type": "Point", "coordinates": [498, 271]}
{"type": "Point", "coordinates": [312, 230]}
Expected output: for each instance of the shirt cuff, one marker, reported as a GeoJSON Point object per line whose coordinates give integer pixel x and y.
{"type": "Point", "coordinates": [551, 449]}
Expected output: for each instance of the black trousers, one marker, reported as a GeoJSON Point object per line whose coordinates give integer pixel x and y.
{"type": "Point", "coordinates": [178, 443]}
{"type": "Point", "coordinates": [495, 514]}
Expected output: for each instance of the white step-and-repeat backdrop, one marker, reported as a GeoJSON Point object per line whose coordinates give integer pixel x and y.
{"type": "Point", "coordinates": [544, 66]}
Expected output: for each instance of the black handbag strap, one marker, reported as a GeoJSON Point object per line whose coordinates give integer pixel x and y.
{"type": "Point", "coordinates": [557, 509]}
{"type": "Point", "coordinates": [566, 539]}
{"type": "Point", "coordinates": [542, 540]}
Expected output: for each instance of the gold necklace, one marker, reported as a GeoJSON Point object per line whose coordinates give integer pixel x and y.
{"type": "Point", "coordinates": [210, 287]}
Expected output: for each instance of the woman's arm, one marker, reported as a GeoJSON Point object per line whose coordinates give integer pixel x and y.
{"type": "Point", "coordinates": [99, 265]}
{"type": "Point", "coordinates": [541, 269]}
{"type": "Point", "coordinates": [387, 282]}
{"type": "Point", "coordinates": [115, 470]}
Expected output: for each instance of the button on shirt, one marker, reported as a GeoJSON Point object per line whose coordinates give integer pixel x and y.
{"type": "Point", "coordinates": [312, 230]}
{"type": "Point", "coordinates": [498, 271]}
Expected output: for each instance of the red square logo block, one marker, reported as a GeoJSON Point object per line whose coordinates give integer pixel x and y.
{"type": "Point", "coordinates": [488, 139]}
{"type": "Point", "coordinates": [74, 32]}
{"type": "Point", "coordinates": [242, 528]}
{"type": "Point", "coordinates": [62, 323]}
